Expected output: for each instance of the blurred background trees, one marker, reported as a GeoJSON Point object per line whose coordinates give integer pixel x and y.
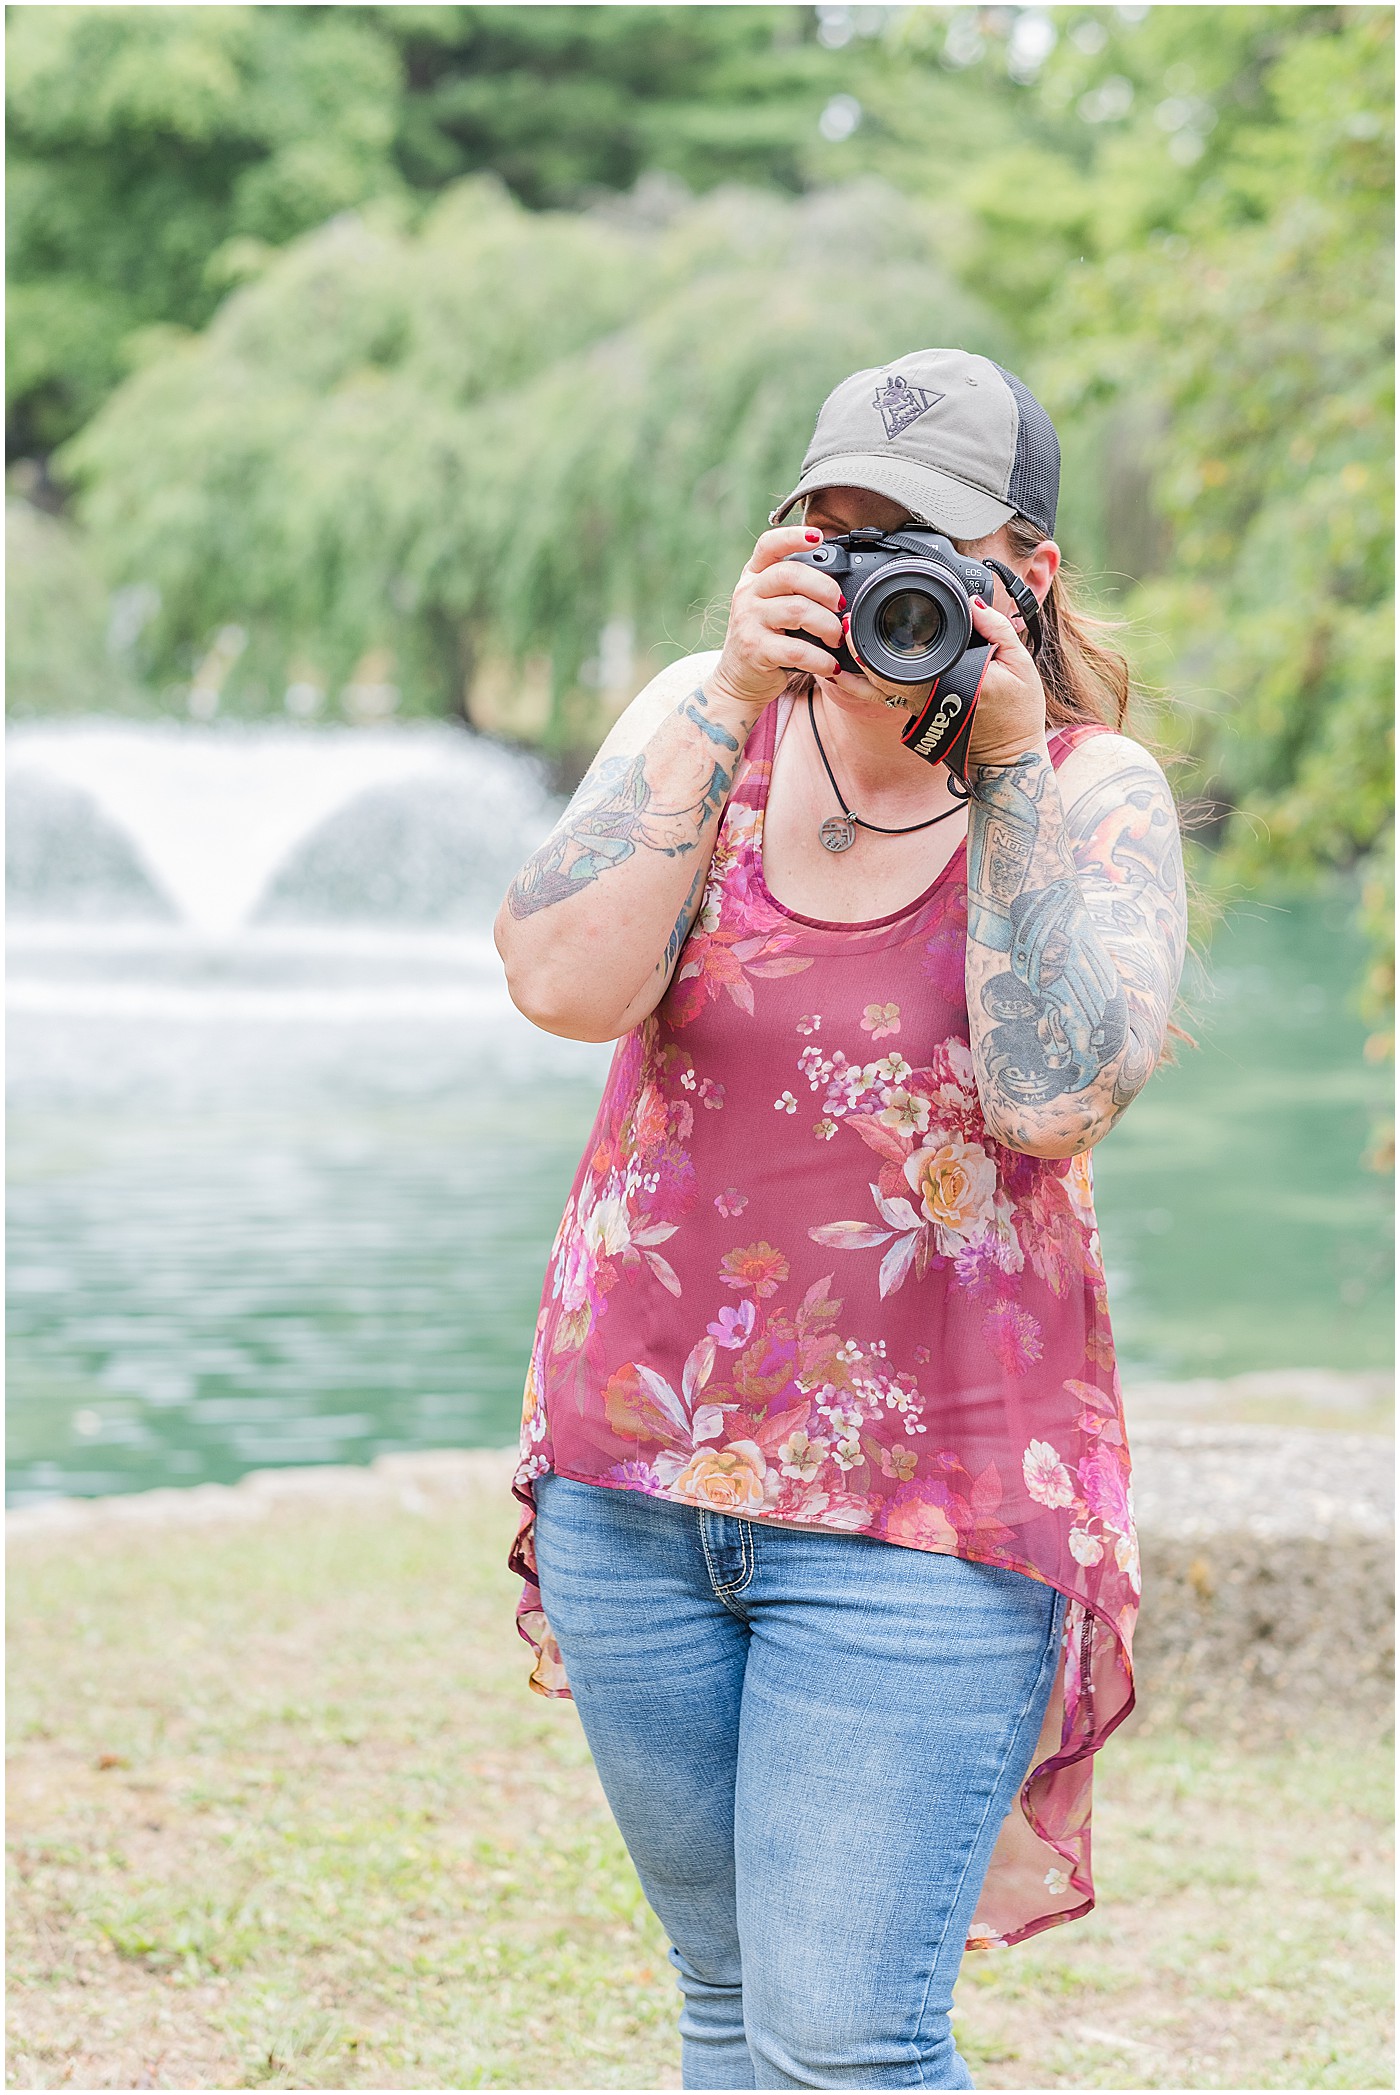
{"type": "Point", "coordinates": [447, 359]}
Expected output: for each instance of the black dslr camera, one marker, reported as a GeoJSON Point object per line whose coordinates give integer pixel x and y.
{"type": "Point", "coordinates": [909, 595]}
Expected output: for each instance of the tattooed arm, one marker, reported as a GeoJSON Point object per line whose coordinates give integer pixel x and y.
{"type": "Point", "coordinates": [1076, 936]}
{"type": "Point", "coordinates": [594, 921]}
{"type": "Point", "coordinates": [580, 956]}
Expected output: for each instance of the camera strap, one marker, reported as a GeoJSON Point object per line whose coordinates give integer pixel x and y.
{"type": "Point", "coordinates": [1025, 600]}
{"type": "Point", "coordinates": [941, 730]}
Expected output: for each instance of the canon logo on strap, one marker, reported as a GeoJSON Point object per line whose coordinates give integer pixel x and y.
{"type": "Point", "coordinates": [933, 733]}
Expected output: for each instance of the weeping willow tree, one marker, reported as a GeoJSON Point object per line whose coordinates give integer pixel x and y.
{"type": "Point", "coordinates": [1255, 345]}
{"type": "Point", "coordinates": [497, 434]}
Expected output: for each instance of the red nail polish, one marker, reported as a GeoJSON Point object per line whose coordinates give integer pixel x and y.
{"type": "Point", "coordinates": [845, 623]}
{"type": "Point", "coordinates": [814, 538]}
{"type": "Point", "coordinates": [980, 602]}
{"type": "Point", "coordinates": [841, 603]}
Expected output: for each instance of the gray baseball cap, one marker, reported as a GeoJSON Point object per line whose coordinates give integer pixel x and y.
{"type": "Point", "coordinates": [963, 444]}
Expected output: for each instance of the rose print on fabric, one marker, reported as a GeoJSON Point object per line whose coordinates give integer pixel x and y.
{"type": "Point", "coordinates": [955, 1184]}
{"type": "Point", "coordinates": [938, 1195]}
{"type": "Point", "coordinates": [730, 1479]}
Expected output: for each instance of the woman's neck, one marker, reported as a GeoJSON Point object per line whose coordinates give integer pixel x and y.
{"type": "Point", "coordinates": [873, 768]}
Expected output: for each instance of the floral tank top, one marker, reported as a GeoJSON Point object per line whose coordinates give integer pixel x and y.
{"type": "Point", "coordinates": [796, 1279]}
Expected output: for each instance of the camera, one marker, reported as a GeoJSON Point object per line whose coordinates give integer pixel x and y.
{"type": "Point", "coordinates": [909, 595]}
{"type": "Point", "coordinates": [910, 622]}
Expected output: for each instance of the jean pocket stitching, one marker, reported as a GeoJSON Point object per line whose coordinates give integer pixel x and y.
{"type": "Point", "coordinates": [720, 1588]}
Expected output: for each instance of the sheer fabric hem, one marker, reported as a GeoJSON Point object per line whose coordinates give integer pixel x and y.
{"type": "Point", "coordinates": [1040, 1874]}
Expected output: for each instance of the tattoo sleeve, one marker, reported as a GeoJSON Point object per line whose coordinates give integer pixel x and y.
{"type": "Point", "coordinates": [618, 811]}
{"type": "Point", "coordinates": [1076, 935]}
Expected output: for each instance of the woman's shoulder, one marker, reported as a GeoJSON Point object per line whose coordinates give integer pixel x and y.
{"type": "Point", "coordinates": [638, 722]}
{"type": "Point", "coordinates": [1092, 755]}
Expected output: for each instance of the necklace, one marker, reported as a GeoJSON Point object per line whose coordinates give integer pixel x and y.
{"type": "Point", "coordinates": [838, 832]}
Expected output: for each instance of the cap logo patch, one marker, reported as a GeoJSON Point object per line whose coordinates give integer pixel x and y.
{"type": "Point", "coordinates": [900, 404]}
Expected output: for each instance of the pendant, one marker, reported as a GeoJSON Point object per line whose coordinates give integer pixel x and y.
{"type": "Point", "coordinates": [838, 832]}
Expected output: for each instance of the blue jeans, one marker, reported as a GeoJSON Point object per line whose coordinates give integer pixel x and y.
{"type": "Point", "coordinates": [809, 1743]}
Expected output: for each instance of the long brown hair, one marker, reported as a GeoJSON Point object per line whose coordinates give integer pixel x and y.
{"type": "Point", "coordinates": [1086, 678]}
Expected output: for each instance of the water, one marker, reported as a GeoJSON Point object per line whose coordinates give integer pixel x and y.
{"type": "Point", "coordinates": [1242, 1227]}
{"type": "Point", "coordinates": [285, 1164]}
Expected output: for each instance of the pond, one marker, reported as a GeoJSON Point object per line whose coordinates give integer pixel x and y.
{"type": "Point", "coordinates": [285, 1164]}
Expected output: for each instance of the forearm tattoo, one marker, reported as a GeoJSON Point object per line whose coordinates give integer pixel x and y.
{"type": "Point", "coordinates": [617, 812]}
{"type": "Point", "coordinates": [1087, 911]}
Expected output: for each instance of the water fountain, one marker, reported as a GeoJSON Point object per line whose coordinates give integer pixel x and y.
{"type": "Point", "coordinates": [285, 1161]}
{"type": "Point", "coordinates": [210, 815]}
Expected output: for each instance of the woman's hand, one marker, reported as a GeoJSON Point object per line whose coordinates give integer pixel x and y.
{"type": "Point", "coordinates": [1010, 716]}
{"type": "Point", "coordinates": [772, 600]}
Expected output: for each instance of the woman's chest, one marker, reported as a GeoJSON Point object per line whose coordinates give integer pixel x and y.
{"type": "Point", "coordinates": [823, 861]}
{"type": "Point", "coordinates": [871, 878]}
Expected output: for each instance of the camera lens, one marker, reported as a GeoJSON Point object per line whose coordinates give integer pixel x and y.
{"type": "Point", "coordinates": [909, 621]}
{"type": "Point", "coordinates": [909, 624]}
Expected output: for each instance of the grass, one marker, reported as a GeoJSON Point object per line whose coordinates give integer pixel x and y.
{"type": "Point", "coordinates": [283, 1814]}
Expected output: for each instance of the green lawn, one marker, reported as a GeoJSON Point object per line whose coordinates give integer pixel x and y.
{"type": "Point", "coordinates": [284, 1814]}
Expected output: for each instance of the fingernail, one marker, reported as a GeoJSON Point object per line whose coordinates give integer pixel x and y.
{"type": "Point", "coordinates": [840, 603]}
{"type": "Point", "coordinates": [845, 623]}
{"type": "Point", "coordinates": [814, 538]}
{"type": "Point", "coordinates": [980, 602]}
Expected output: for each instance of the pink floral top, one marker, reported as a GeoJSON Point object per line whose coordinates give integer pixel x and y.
{"type": "Point", "coordinates": [797, 1279]}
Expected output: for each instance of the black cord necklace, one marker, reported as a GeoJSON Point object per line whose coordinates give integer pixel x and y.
{"type": "Point", "coordinates": [838, 832]}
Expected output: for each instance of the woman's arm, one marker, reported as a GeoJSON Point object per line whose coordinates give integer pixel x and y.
{"type": "Point", "coordinates": [1076, 936]}
{"type": "Point", "coordinates": [594, 921]}
{"type": "Point", "coordinates": [590, 918]}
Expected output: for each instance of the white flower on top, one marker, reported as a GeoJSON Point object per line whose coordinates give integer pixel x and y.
{"type": "Point", "coordinates": [606, 1229]}
{"type": "Point", "coordinates": [1125, 1556]}
{"type": "Point", "coordinates": [1047, 1480]}
{"type": "Point", "coordinates": [906, 1112]}
{"type": "Point", "coordinates": [801, 1457]}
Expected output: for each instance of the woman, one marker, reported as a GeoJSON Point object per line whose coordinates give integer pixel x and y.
{"type": "Point", "coordinates": [828, 1520]}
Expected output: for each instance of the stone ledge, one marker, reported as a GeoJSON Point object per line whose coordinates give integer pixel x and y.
{"type": "Point", "coordinates": [1268, 1569]}
{"type": "Point", "coordinates": [411, 1481]}
{"type": "Point", "coordinates": [1265, 1481]}
{"type": "Point", "coordinates": [1268, 1558]}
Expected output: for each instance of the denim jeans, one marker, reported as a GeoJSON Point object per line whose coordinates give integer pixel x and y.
{"type": "Point", "coordinates": [809, 1742]}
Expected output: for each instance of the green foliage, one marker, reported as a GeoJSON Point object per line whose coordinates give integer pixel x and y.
{"type": "Point", "coordinates": [560, 101]}
{"type": "Point", "coordinates": [57, 653]}
{"type": "Point", "coordinates": [1257, 342]}
{"type": "Point", "coordinates": [495, 432]}
{"type": "Point", "coordinates": [153, 150]}
{"type": "Point", "coordinates": [143, 140]}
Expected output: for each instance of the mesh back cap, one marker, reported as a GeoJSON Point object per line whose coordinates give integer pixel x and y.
{"type": "Point", "coordinates": [963, 444]}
